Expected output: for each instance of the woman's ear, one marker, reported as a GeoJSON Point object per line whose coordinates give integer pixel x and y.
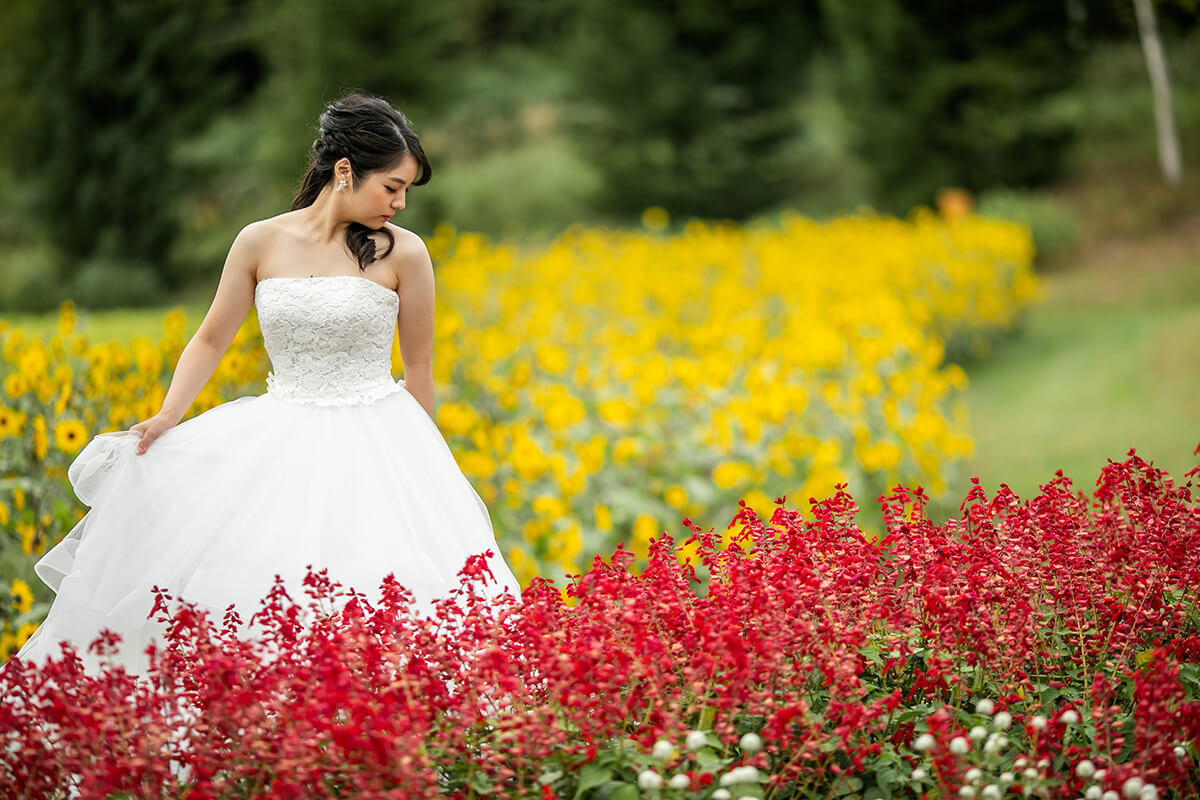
{"type": "Point", "coordinates": [342, 169]}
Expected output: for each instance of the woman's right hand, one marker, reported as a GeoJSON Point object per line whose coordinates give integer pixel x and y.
{"type": "Point", "coordinates": [151, 429]}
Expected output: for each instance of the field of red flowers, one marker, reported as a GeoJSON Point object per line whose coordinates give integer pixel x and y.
{"type": "Point", "coordinates": [1047, 647]}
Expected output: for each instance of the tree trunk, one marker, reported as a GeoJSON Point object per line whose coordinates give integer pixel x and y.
{"type": "Point", "coordinates": [1164, 116]}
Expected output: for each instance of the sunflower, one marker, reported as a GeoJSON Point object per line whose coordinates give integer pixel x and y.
{"type": "Point", "coordinates": [41, 443]}
{"type": "Point", "coordinates": [70, 435]}
{"type": "Point", "coordinates": [22, 595]}
{"type": "Point", "coordinates": [16, 384]}
{"type": "Point", "coordinates": [11, 422]}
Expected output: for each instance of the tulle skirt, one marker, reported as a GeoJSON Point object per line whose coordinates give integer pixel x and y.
{"type": "Point", "coordinates": [224, 502]}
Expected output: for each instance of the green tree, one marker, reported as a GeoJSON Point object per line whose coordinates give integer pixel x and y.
{"type": "Point", "coordinates": [689, 104]}
{"type": "Point", "coordinates": [944, 93]}
{"type": "Point", "coordinates": [97, 95]}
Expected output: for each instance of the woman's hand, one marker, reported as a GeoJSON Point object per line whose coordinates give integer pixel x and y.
{"type": "Point", "coordinates": [151, 429]}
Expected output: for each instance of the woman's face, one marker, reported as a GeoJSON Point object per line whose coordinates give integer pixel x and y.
{"type": "Point", "coordinates": [381, 194]}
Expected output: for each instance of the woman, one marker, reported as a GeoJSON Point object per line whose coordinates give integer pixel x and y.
{"type": "Point", "coordinates": [337, 466]}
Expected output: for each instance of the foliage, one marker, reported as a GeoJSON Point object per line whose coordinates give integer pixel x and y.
{"type": "Point", "coordinates": [99, 95]}
{"type": "Point", "coordinates": [613, 381]}
{"type": "Point", "coordinates": [1052, 224]}
{"type": "Point", "coordinates": [1048, 647]}
{"type": "Point", "coordinates": [692, 101]}
{"type": "Point", "coordinates": [942, 95]}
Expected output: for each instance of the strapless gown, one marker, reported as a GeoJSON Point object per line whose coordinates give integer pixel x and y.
{"type": "Point", "coordinates": [336, 466]}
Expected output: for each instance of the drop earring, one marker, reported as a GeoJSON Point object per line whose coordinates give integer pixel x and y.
{"type": "Point", "coordinates": [341, 185]}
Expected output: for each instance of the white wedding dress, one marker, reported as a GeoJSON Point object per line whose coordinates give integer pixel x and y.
{"type": "Point", "coordinates": [336, 466]}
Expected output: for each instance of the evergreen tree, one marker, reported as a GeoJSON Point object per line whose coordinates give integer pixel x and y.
{"type": "Point", "coordinates": [944, 93]}
{"type": "Point", "coordinates": [98, 95]}
{"type": "Point", "coordinates": [688, 103]}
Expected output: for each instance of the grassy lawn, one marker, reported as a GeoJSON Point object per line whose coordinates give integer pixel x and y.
{"type": "Point", "coordinates": [118, 324]}
{"type": "Point", "coordinates": [1109, 361]}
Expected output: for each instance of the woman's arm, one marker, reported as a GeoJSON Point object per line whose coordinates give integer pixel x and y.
{"type": "Point", "coordinates": [415, 322]}
{"type": "Point", "coordinates": [199, 359]}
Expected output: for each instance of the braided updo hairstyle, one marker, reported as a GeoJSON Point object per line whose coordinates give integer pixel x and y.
{"type": "Point", "coordinates": [373, 135]}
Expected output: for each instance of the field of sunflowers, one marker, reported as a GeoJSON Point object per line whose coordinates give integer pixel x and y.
{"type": "Point", "coordinates": [599, 388]}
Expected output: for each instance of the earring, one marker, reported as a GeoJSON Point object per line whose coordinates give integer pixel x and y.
{"type": "Point", "coordinates": [341, 185]}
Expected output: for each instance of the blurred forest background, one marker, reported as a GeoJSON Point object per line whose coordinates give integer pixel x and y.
{"type": "Point", "coordinates": [140, 136]}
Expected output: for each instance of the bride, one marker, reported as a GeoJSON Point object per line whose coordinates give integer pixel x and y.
{"type": "Point", "coordinates": [337, 465]}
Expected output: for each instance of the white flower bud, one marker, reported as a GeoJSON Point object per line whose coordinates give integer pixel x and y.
{"type": "Point", "coordinates": [1069, 717]}
{"type": "Point", "coordinates": [1020, 761]}
{"type": "Point", "coordinates": [1043, 763]}
{"type": "Point", "coordinates": [1132, 788]}
{"type": "Point", "coordinates": [966, 791]}
{"type": "Point", "coordinates": [1030, 773]}
{"type": "Point", "coordinates": [1006, 778]}
{"type": "Point", "coordinates": [1179, 752]}
{"type": "Point", "coordinates": [991, 792]}
{"type": "Point", "coordinates": [919, 774]}
{"type": "Point", "coordinates": [1149, 792]}
{"type": "Point", "coordinates": [696, 740]}
{"type": "Point", "coordinates": [974, 774]}
{"type": "Point", "coordinates": [679, 781]}
{"type": "Point", "coordinates": [1038, 722]}
{"type": "Point", "coordinates": [1093, 793]}
{"type": "Point", "coordinates": [1100, 773]}
{"type": "Point", "coordinates": [924, 742]}
{"type": "Point", "coordinates": [649, 779]}
{"type": "Point", "coordinates": [959, 746]}
{"type": "Point", "coordinates": [720, 794]}
{"type": "Point", "coordinates": [978, 732]}
{"type": "Point", "coordinates": [750, 743]}
{"type": "Point", "coordinates": [985, 706]}
{"type": "Point", "coordinates": [1110, 795]}
{"type": "Point", "coordinates": [1085, 769]}
{"type": "Point", "coordinates": [663, 750]}
{"type": "Point", "coordinates": [1003, 720]}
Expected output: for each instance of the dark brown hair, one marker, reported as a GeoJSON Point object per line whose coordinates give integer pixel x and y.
{"type": "Point", "coordinates": [374, 136]}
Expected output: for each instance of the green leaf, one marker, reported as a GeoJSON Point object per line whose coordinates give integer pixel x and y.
{"type": "Point", "coordinates": [846, 785]}
{"type": "Point", "coordinates": [590, 777]}
{"type": "Point", "coordinates": [481, 783]}
{"type": "Point", "coordinates": [626, 792]}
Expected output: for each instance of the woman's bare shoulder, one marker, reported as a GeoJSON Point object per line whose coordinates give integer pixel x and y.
{"type": "Point", "coordinates": [409, 252]}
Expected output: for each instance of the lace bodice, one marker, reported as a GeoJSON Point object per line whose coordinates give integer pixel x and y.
{"type": "Point", "coordinates": [329, 338]}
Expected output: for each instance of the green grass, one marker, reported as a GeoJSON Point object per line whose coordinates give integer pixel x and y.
{"type": "Point", "coordinates": [1109, 362]}
{"type": "Point", "coordinates": [115, 325]}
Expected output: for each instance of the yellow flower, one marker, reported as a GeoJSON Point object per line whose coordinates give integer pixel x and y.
{"type": "Point", "coordinates": [655, 218]}
{"type": "Point", "coordinates": [24, 632]}
{"type": "Point", "coordinates": [549, 507]}
{"type": "Point", "coordinates": [11, 422]}
{"type": "Point", "coordinates": [70, 435]}
{"type": "Point", "coordinates": [19, 499]}
{"type": "Point", "coordinates": [27, 533]}
{"type": "Point", "coordinates": [729, 474]}
{"type": "Point", "coordinates": [645, 527]}
{"type": "Point", "coordinates": [477, 464]}
{"type": "Point", "coordinates": [552, 359]}
{"type": "Point", "coordinates": [22, 595]}
{"type": "Point", "coordinates": [41, 442]}
{"type": "Point", "coordinates": [603, 517]}
{"type": "Point", "coordinates": [16, 385]}
{"type": "Point", "coordinates": [676, 496]}
{"type": "Point", "coordinates": [66, 318]}
{"type": "Point", "coordinates": [4, 514]}
{"type": "Point", "coordinates": [456, 418]}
